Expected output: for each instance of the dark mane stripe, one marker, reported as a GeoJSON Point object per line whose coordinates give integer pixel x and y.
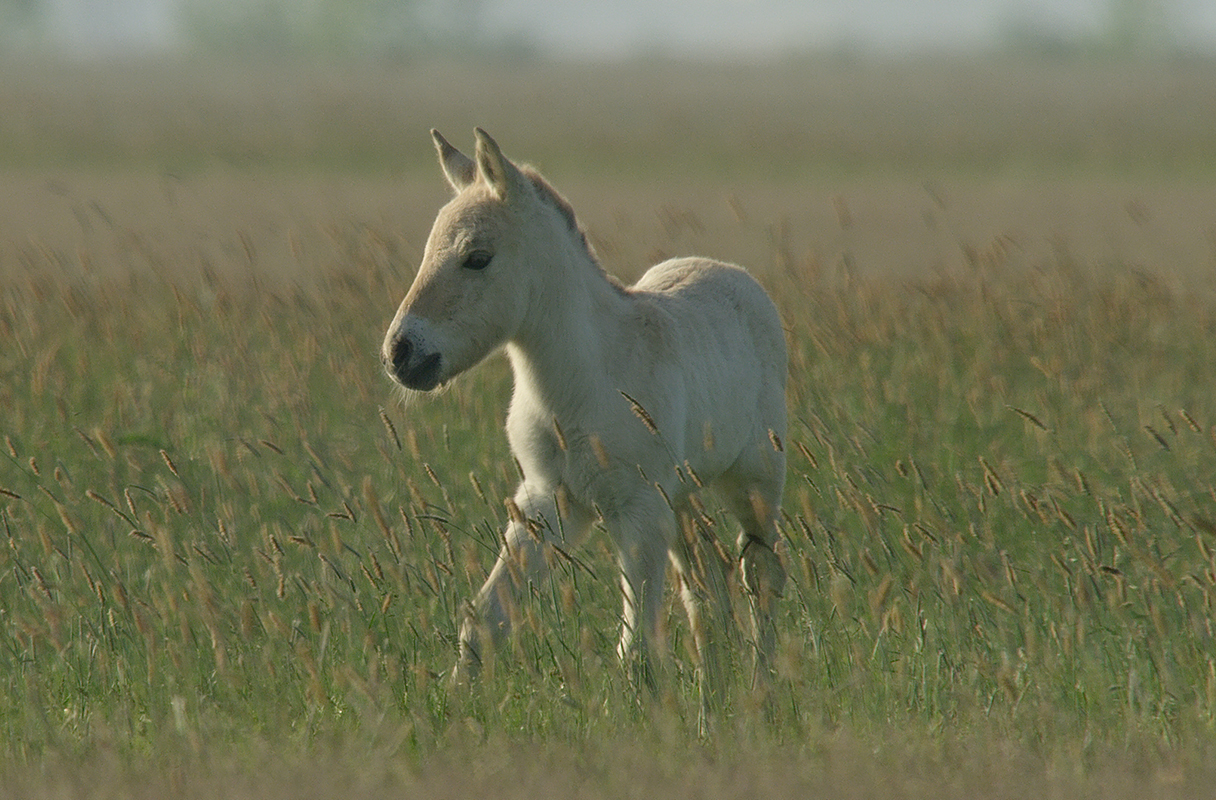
{"type": "Point", "coordinates": [546, 192]}
{"type": "Point", "coordinates": [551, 196]}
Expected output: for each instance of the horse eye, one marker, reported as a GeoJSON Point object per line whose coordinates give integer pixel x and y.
{"type": "Point", "coordinates": [478, 259]}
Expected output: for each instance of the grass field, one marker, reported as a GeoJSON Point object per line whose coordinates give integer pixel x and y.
{"type": "Point", "coordinates": [234, 564]}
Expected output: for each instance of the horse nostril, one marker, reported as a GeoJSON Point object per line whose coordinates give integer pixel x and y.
{"type": "Point", "coordinates": [401, 355]}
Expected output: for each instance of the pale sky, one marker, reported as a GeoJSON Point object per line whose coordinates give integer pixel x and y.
{"type": "Point", "coordinates": [744, 26]}
{"type": "Point", "coordinates": [611, 28]}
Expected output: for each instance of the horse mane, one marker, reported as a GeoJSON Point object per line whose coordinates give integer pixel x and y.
{"type": "Point", "coordinates": [553, 198]}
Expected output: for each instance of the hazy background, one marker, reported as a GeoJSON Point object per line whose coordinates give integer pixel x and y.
{"type": "Point", "coordinates": [996, 264]}
{"type": "Point", "coordinates": [597, 30]}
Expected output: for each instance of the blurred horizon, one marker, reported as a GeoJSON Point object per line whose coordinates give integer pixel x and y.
{"type": "Point", "coordinates": [584, 30]}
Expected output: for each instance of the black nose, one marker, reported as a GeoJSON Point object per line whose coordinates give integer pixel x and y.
{"type": "Point", "coordinates": [411, 366]}
{"type": "Point", "coordinates": [401, 355]}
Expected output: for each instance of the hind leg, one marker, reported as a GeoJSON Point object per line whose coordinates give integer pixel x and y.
{"type": "Point", "coordinates": [702, 575]}
{"type": "Point", "coordinates": [752, 490]}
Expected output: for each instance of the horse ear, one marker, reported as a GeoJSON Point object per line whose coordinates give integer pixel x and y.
{"type": "Point", "coordinates": [498, 172]}
{"type": "Point", "coordinates": [459, 168]}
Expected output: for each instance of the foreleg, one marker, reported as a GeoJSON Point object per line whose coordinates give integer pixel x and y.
{"type": "Point", "coordinates": [643, 535]}
{"type": "Point", "coordinates": [522, 561]}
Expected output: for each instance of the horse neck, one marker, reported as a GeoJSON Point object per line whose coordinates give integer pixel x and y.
{"type": "Point", "coordinates": [558, 356]}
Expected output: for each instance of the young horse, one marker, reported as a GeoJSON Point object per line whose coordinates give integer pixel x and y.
{"type": "Point", "coordinates": [626, 399]}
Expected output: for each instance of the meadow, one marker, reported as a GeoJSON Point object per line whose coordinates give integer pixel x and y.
{"type": "Point", "coordinates": [234, 562]}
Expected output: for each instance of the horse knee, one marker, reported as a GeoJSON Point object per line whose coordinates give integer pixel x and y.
{"type": "Point", "coordinates": [470, 646]}
{"type": "Point", "coordinates": [764, 580]}
{"type": "Point", "coordinates": [762, 572]}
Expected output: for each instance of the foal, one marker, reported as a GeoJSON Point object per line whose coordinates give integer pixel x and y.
{"type": "Point", "coordinates": [626, 398]}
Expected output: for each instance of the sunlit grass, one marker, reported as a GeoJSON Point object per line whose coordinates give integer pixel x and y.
{"type": "Point", "coordinates": [220, 526]}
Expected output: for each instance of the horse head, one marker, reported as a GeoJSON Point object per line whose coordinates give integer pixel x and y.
{"type": "Point", "coordinates": [478, 272]}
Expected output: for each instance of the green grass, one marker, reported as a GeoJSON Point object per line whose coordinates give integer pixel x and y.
{"type": "Point", "coordinates": [232, 562]}
{"type": "Point", "coordinates": [1000, 518]}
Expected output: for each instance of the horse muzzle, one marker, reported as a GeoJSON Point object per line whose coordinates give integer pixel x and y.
{"type": "Point", "coordinates": [412, 368]}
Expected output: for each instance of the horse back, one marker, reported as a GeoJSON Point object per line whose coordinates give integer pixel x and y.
{"type": "Point", "coordinates": [707, 300]}
{"type": "Point", "coordinates": [716, 334]}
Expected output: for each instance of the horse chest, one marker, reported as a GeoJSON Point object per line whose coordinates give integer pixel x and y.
{"type": "Point", "coordinates": [583, 463]}
{"type": "Point", "coordinates": [537, 449]}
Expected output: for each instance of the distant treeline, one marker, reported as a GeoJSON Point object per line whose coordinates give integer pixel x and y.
{"type": "Point", "coordinates": [270, 27]}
